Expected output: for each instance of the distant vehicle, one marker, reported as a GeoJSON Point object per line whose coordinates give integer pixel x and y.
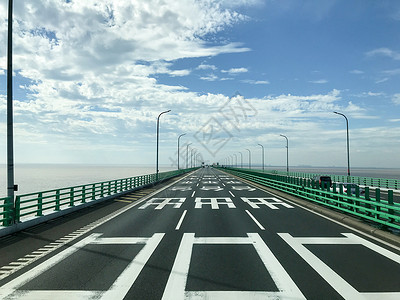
{"type": "Point", "coordinates": [324, 181]}
{"type": "Point", "coordinates": [352, 187]}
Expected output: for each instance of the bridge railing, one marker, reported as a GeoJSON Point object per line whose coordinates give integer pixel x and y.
{"type": "Point", "coordinates": [367, 181]}
{"type": "Point", "coordinates": [383, 212]}
{"type": "Point", "coordinates": [40, 203]}
{"type": "Point", "coordinates": [5, 211]}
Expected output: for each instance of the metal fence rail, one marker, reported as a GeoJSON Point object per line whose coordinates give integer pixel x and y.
{"type": "Point", "coordinates": [40, 203]}
{"type": "Point", "coordinates": [5, 211]}
{"type": "Point", "coordinates": [376, 210]}
{"type": "Point", "coordinates": [367, 181]}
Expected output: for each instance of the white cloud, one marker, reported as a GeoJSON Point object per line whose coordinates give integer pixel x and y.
{"type": "Point", "coordinates": [357, 72]}
{"type": "Point", "coordinates": [180, 72]}
{"type": "Point", "coordinates": [234, 71]}
{"type": "Point", "coordinates": [210, 77]}
{"type": "Point", "coordinates": [384, 52]}
{"type": "Point", "coordinates": [396, 99]}
{"type": "Point", "coordinates": [391, 72]}
{"type": "Point", "coordinates": [382, 80]}
{"type": "Point", "coordinates": [320, 81]}
{"type": "Point", "coordinates": [250, 81]}
{"type": "Point", "coordinates": [206, 67]}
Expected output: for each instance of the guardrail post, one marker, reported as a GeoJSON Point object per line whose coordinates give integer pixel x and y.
{"type": "Point", "coordinates": [71, 197]}
{"type": "Point", "coordinates": [83, 194]}
{"type": "Point", "coordinates": [93, 191]}
{"type": "Point", "coordinates": [378, 200]}
{"type": "Point", "coordinates": [350, 195]}
{"type": "Point", "coordinates": [390, 202]}
{"type": "Point", "coordinates": [367, 198]}
{"type": "Point", "coordinates": [57, 200]}
{"type": "Point", "coordinates": [17, 209]}
{"type": "Point", "coordinates": [357, 196]}
{"type": "Point", "coordinates": [102, 190]}
{"type": "Point", "coordinates": [109, 188]}
{"type": "Point", "coordinates": [40, 205]}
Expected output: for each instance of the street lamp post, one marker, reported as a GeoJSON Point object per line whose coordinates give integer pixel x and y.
{"type": "Point", "coordinates": [287, 152]}
{"type": "Point", "coordinates": [241, 160]}
{"type": "Point", "coordinates": [158, 131]}
{"type": "Point", "coordinates": [235, 160]}
{"type": "Point", "coordinates": [348, 147]}
{"type": "Point", "coordinates": [191, 157]}
{"type": "Point", "coordinates": [10, 131]}
{"type": "Point", "coordinates": [187, 155]}
{"type": "Point", "coordinates": [262, 156]}
{"type": "Point", "coordinates": [178, 146]}
{"type": "Point", "coordinates": [249, 158]}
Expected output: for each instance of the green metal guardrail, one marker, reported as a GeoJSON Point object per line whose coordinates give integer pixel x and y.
{"type": "Point", "coordinates": [39, 203]}
{"type": "Point", "coordinates": [367, 181]}
{"type": "Point", "coordinates": [377, 210]}
{"type": "Point", "coordinates": [5, 211]}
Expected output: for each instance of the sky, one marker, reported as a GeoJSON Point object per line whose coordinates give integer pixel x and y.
{"type": "Point", "coordinates": [91, 78]}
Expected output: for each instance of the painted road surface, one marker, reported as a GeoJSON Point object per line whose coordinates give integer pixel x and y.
{"type": "Point", "coordinates": [207, 236]}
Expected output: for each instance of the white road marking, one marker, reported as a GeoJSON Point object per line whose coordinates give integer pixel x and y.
{"type": "Point", "coordinates": [160, 203]}
{"type": "Point", "coordinates": [175, 288]}
{"type": "Point", "coordinates": [231, 193]}
{"type": "Point", "coordinates": [214, 202]}
{"type": "Point", "coordinates": [193, 193]}
{"type": "Point", "coordinates": [255, 202]}
{"type": "Point", "coordinates": [335, 280]}
{"type": "Point", "coordinates": [181, 220]}
{"type": "Point", "coordinates": [212, 188]}
{"type": "Point", "coordinates": [118, 289]}
{"type": "Point", "coordinates": [255, 220]}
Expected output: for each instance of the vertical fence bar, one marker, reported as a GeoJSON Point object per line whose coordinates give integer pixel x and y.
{"type": "Point", "coordinates": [367, 198]}
{"type": "Point", "coordinates": [71, 197]}
{"type": "Point", "coordinates": [93, 191]}
{"type": "Point", "coordinates": [17, 212]}
{"type": "Point", "coordinates": [83, 194]}
{"type": "Point", "coordinates": [378, 200]}
{"type": "Point", "coordinates": [40, 205]}
{"type": "Point", "coordinates": [390, 202]}
{"type": "Point", "coordinates": [57, 200]}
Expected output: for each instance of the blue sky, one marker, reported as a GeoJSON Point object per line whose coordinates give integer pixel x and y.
{"type": "Point", "coordinates": [91, 79]}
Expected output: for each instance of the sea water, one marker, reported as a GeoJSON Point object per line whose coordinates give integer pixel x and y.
{"type": "Point", "coordinates": [32, 178]}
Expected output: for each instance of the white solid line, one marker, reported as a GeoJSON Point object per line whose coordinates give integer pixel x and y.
{"type": "Point", "coordinates": [181, 220]}
{"type": "Point", "coordinates": [231, 193]}
{"type": "Point", "coordinates": [193, 193]}
{"type": "Point", "coordinates": [255, 220]}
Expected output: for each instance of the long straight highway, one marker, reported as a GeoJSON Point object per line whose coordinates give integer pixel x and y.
{"type": "Point", "coordinates": [208, 235]}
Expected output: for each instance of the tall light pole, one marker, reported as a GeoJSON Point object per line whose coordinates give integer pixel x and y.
{"type": "Point", "coordinates": [235, 160]}
{"type": "Point", "coordinates": [158, 131]}
{"type": "Point", "coordinates": [191, 157]}
{"type": "Point", "coordinates": [249, 158]}
{"type": "Point", "coordinates": [241, 160]}
{"type": "Point", "coordinates": [178, 146]}
{"type": "Point", "coordinates": [348, 147]}
{"type": "Point", "coordinates": [10, 132]}
{"type": "Point", "coordinates": [262, 156]}
{"type": "Point", "coordinates": [187, 155]}
{"type": "Point", "coordinates": [287, 152]}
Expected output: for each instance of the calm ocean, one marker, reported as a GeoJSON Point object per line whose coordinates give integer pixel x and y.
{"type": "Point", "coordinates": [41, 177]}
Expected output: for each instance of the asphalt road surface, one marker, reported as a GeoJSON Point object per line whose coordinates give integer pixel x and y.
{"type": "Point", "coordinates": [207, 236]}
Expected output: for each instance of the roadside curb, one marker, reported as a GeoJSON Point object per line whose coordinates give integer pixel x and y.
{"type": "Point", "coordinates": [334, 215]}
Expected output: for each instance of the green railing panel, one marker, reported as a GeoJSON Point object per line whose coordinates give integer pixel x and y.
{"type": "Point", "coordinates": [39, 203]}
{"type": "Point", "coordinates": [366, 181]}
{"type": "Point", "coordinates": [6, 211]}
{"type": "Point", "coordinates": [382, 212]}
